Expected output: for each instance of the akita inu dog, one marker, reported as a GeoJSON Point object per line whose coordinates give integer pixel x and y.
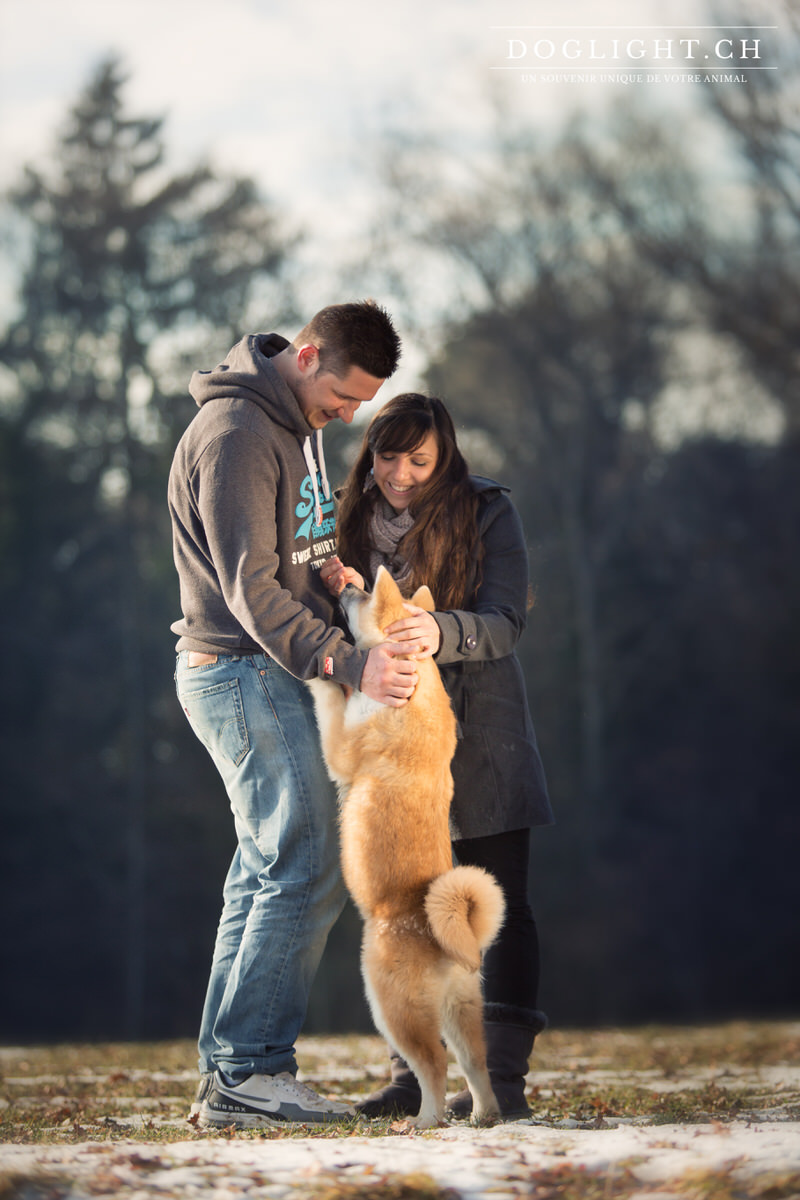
{"type": "Point", "coordinates": [425, 922]}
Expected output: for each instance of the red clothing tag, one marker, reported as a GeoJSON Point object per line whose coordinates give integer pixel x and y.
{"type": "Point", "coordinates": [328, 666]}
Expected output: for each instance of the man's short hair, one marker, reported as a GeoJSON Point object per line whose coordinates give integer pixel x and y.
{"type": "Point", "coordinates": [360, 334]}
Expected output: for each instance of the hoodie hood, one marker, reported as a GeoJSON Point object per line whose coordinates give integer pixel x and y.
{"type": "Point", "coordinates": [247, 374]}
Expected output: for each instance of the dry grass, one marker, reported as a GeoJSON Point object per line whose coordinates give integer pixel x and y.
{"type": "Point", "coordinates": [103, 1092]}
{"type": "Point", "coordinates": [98, 1120]}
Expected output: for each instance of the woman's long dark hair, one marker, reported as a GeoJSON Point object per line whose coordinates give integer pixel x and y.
{"type": "Point", "coordinates": [442, 547]}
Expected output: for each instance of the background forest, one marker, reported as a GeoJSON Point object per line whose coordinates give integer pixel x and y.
{"type": "Point", "coordinates": [613, 320]}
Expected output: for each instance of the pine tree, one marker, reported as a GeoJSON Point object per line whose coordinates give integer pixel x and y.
{"type": "Point", "coordinates": [130, 276]}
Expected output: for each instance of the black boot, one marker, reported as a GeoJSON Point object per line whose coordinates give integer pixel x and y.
{"type": "Point", "coordinates": [400, 1098]}
{"type": "Point", "coordinates": [510, 1034]}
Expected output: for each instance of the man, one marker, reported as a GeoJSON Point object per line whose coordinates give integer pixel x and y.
{"type": "Point", "coordinates": [253, 520]}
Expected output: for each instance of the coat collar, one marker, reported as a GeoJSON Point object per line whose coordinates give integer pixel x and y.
{"type": "Point", "coordinates": [482, 483]}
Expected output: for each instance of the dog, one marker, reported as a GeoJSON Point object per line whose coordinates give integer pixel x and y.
{"type": "Point", "coordinates": [426, 923]}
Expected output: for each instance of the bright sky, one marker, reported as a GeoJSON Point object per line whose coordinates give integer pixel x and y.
{"type": "Point", "coordinates": [294, 91]}
{"type": "Point", "coordinates": [297, 93]}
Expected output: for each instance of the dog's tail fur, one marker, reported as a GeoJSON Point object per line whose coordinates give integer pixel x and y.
{"type": "Point", "coordinates": [465, 909]}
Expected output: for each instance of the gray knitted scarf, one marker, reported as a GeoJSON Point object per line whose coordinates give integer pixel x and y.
{"type": "Point", "coordinates": [386, 529]}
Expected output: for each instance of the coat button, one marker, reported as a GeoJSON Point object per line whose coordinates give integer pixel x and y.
{"type": "Point", "coordinates": [471, 642]}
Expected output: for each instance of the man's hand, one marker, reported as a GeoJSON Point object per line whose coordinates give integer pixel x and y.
{"type": "Point", "coordinates": [336, 576]}
{"type": "Point", "coordinates": [387, 678]}
{"type": "Point", "coordinates": [419, 633]}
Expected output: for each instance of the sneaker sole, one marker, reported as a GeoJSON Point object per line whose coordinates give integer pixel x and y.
{"type": "Point", "coordinates": [248, 1118]}
{"type": "Point", "coordinates": [238, 1121]}
{"type": "Point", "coordinates": [218, 1120]}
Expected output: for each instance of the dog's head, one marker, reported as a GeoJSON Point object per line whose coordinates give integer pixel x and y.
{"type": "Point", "coordinates": [369, 613]}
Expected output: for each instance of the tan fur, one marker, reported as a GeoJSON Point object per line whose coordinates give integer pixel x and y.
{"type": "Point", "coordinates": [425, 922]}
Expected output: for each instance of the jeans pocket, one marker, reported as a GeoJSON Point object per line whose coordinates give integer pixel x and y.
{"type": "Point", "coordinates": [216, 714]}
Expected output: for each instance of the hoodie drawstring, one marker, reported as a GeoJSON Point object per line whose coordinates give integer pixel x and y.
{"type": "Point", "coordinates": [308, 454]}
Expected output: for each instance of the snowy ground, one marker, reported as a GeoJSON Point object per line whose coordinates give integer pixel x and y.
{"type": "Point", "coordinates": [505, 1161]}
{"type": "Point", "coordinates": [141, 1151]}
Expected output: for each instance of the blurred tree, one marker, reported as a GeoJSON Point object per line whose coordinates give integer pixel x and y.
{"type": "Point", "coordinates": [742, 269]}
{"type": "Point", "coordinates": [129, 273]}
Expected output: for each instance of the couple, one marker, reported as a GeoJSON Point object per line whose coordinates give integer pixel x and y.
{"type": "Point", "coordinates": [261, 555]}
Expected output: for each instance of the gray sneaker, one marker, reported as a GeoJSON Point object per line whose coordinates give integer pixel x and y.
{"type": "Point", "coordinates": [266, 1100]}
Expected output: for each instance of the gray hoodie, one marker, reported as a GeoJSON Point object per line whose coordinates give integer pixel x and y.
{"type": "Point", "coordinates": [253, 520]}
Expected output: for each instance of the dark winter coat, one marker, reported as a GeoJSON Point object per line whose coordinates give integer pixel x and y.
{"type": "Point", "coordinates": [499, 778]}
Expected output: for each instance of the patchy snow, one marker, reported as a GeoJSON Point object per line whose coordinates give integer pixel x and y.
{"type": "Point", "coordinates": [476, 1162]}
{"type": "Point", "coordinates": [119, 1121]}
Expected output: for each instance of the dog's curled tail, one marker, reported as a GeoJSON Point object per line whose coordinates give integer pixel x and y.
{"type": "Point", "coordinates": [465, 909]}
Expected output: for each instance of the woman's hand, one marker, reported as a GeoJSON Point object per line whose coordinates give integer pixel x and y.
{"type": "Point", "coordinates": [419, 633]}
{"type": "Point", "coordinates": [336, 576]}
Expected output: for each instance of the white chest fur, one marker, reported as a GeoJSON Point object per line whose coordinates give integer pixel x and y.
{"type": "Point", "coordinates": [360, 708]}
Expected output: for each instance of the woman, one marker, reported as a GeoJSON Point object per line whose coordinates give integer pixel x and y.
{"type": "Point", "coordinates": [410, 504]}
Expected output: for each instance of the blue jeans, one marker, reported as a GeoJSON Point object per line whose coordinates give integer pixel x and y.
{"type": "Point", "coordinates": [284, 889]}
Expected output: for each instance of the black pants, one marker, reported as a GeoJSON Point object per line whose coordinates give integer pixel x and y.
{"type": "Point", "coordinates": [511, 964]}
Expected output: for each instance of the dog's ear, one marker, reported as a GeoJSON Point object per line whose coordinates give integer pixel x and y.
{"type": "Point", "coordinates": [386, 596]}
{"type": "Point", "coordinates": [423, 599]}
{"type": "Point", "coordinates": [384, 584]}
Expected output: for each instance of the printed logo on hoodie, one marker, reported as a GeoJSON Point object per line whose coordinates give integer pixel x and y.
{"type": "Point", "coordinates": [308, 528]}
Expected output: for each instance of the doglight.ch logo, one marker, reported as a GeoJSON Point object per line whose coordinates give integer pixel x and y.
{"type": "Point", "coordinates": [704, 54]}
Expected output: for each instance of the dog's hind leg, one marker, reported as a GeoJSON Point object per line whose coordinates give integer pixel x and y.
{"type": "Point", "coordinates": [462, 1024]}
{"type": "Point", "coordinates": [421, 1046]}
{"type": "Point", "coordinates": [411, 1022]}
{"type": "Point", "coordinates": [423, 1051]}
